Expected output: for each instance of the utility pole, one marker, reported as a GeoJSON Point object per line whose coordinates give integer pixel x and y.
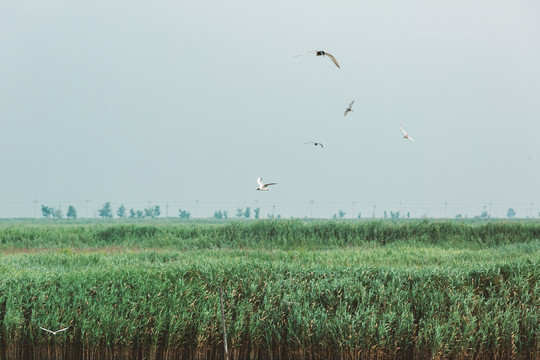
{"type": "Point", "coordinates": [374, 206]}
{"type": "Point", "coordinates": [530, 210]}
{"type": "Point", "coordinates": [87, 208]}
{"type": "Point", "coordinates": [167, 210]}
{"type": "Point", "coordinates": [35, 208]}
{"type": "Point", "coordinates": [445, 209]}
{"type": "Point", "coordinates": [197, 208]}
{"type": "Point", "coordinates": [353, 209]}
{"type": "Point", "coordinates": [273, 210]}
{"type": "Point", "coordinates": [311, 210]}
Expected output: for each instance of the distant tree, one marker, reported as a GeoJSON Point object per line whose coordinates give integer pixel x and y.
{"type": "Point", "coordinates": [225, 214]}
{"type": "Point", "coordinates": [218, 214]}
{"type": "Point", "coordinates": [121, 212]}
{"type": "Point", "coordinates": [247, 212]}
{"type": "Point", "coordinates": [239, 212]}
{"type": "Point", "coordinates": [132, 213]}
{"type": "Point", "coordinates": [341, 214]}
{"type": "Point", "coordinates": [408, 214]}
{"type": "Point", "coordinates": [152, 212]}
{"type": "Point", "coordinates": [57, 213]}
{"type": "Point", "coordinates": [359, 215]}
{"type": "Point", "coordinates": [510, 213]}
{"type": "Point", "coordinates": [394, 215]}
{"type": "Point", "coordinates": [140, 214]}
{"type": "Point", "coordinates": [256, 212]}
{"type": "Point", "coordinates": [149, 212]}
{"type": "Point", "coordinates": [106, 211]}
{"type": "Point", "coordinates": [459, 216]}
{"type": "Point", "coordinates": [71, 213]}
{"type": "Point", "coordinates": [46, 211]}
{"type": "Point", "coordinates": [385, 214]}
{"type": "Point", "coordinates": [483, 215]}
{"type": "Point", "coordinates": [183, 214]}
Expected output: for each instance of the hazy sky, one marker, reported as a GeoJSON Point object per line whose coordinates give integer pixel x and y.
{"type": "Point", "coordinates": [158, 102]}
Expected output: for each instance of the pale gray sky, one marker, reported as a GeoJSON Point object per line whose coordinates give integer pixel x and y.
{"type": "Point", "coordinates": [172, 101]}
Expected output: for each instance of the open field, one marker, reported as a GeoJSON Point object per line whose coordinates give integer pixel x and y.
{"type": "Point", "coordinates": [292, 289]}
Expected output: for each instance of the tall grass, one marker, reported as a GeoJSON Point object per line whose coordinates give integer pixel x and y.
{"type": "Point", "coordinates": [284, 234]}
{"type": "Point", "coordinates": [292, 289]}
{"type": "Point", "coordinates": [150, 303]}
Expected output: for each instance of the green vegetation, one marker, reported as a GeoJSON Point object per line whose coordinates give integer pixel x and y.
{"type": "Point", "coordinates": [364, 289]}
{"type": "Point", "coordinates": [283, 234]}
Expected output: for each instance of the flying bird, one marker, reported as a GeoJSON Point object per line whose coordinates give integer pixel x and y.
{"type": "Point", "coordinates": [314, 143]}
{"type": "Point", "coordinates": [322, 53]}
{"type": "Point", "coordinates": [406, 136]}
{"type": "Point", "coordinates": [349, 108]}
{"type": "Point", "coordinates": [55, 332]}
{"type": "Point", "coordinates": [262, 186]}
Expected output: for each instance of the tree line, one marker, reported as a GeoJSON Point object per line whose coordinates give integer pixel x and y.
{"type": "Point", "coordinates": [107, 212]}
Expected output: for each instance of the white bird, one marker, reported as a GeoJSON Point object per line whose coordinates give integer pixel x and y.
{"type": "Point", "coordinates": [314, 143]}
{"type": "Point", "coordinates": [349, 108]}
{"type": "Point", "coordinates": [262, 186]}
{"type": "Point", "coordinates": [54, 332]}
{"type": "Point", "coordinates": [322, 53]}
{"type": "Point", "coordinates": [289, 303]}
{"type": "Point", "coordinates": [406, 136]}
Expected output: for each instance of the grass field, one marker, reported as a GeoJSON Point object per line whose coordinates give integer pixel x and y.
{"type": "Point", "coordinates": [292, 289]}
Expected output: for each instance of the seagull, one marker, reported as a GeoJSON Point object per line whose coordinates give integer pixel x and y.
{"type": "Point", "coordinates": [322, 53]}
{"type": "Point", "coordinates": [349, 108]}
{"type": "Point", "coordinates": [406, 136]}
{"type": "Point", "coordinates": [262, 186]}
{"type": "Point", "coordinates": [314, 143]}
{"type": "Point", "coordinates": [55, 332]}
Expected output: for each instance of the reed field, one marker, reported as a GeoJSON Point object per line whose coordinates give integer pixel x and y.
{"type": "Point", "coordinates": [418, 289]}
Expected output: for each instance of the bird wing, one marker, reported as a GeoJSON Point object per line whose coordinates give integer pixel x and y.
{"type": "Point", "coordinates": [309, 52]}
{"type": "Point", "coordinates": [403, 130]}
{"type": "Point", "coordinates": [42, 328]}
{"type": "Point", "coordinates": [410, 138]}
{"type": "Point", "coordinates": [321, 145]}
{"type": "Point", "coordinates": [346, 111]}
{"type": "Point", "coordinates": [259, 181]}
{"type": "Point", "coordinates": [310, 142]}
{"type": "Point", "coordinates": [266, 185]}
{"type": "Point", "coordinates": [333, 59]}
{"type": "Point", "coordinates": [64, 329]}
{"type": "Point", "coordinates": [350, 105]}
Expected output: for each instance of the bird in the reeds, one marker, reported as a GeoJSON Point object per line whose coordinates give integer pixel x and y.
{"type": "Point", "coordinates": [54, 332]}
{"type": "Point", "coordinates": [314, 143]}
{"type": "Point", "coordinates": [347, 110]}
{"type": "Point", "coordinates": [289, 303]}
{"type": "Point", "coordinates": [405, 135]}
{"type": "Point", "coordinates": [263, 186]}
{"type": "Point", "coordinates": [322, 53]}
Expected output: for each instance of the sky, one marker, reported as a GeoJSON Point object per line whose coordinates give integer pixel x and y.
{"type": "Point", "coordinates": [183, 104]}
